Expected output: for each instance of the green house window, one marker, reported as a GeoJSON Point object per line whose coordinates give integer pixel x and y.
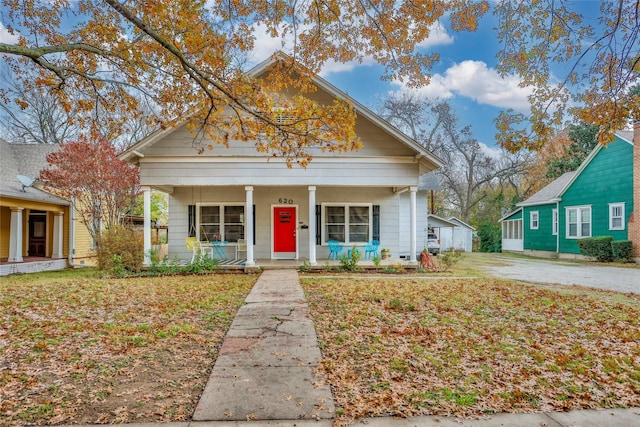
{"type": "Point", "coordinates": [616, 216]}
{"type": "Point", "coordinates": [534, 222]}
{"type": "Point", "coordinates": [578, 222]}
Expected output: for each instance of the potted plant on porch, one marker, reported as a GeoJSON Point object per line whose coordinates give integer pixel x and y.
{"type": "Point", "coordinates": [385, 253]}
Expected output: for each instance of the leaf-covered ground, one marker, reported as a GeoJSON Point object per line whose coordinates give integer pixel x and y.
{"type": "Point", "coordinates": [79, 349]}
{"type": "Point", "coordinates": [470, 347]}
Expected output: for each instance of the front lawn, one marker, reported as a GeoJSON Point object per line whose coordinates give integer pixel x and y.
{"type": "Point", "coordinates": [473, 346]}
{"type": "Point", "coordinates": [75, 348]}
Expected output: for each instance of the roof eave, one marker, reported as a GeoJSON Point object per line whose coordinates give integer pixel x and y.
{"type": "Point", "coordinates": [510, 214]}
{"type": "Point", "coordinates": [542, 202]}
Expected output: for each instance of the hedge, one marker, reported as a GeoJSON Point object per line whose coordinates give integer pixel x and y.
{"type": "Point", "coordinates": [622, 250]}
{"type": "Point", "coordinates": [597, 247]}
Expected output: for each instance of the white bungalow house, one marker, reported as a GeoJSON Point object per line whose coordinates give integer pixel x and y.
{"type": "Point", "coordinates": [235, 193]}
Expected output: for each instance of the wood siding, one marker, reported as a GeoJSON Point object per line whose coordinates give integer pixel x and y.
{"type": "Point", "coordinates": [608, 178]}
{"type": "Point", "coordinates": [339, 173]}
{"type": "Point", "coordinates": [543, 238]}
{"type": "Point", "coordinates": [376, 143]}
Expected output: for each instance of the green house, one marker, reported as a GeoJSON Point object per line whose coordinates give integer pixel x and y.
{"type": "Point", "coordinates": [594, 200]}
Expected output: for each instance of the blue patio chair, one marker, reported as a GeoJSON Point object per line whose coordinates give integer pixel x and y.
{"type": "Point", "coordinates": [371, 249]}
{"type": "Point", "coordinates": [335, 248]}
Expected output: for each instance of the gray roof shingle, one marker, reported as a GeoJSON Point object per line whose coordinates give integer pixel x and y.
{"type": "Point", "coordinates": [551, 192]}
{"type": "Point", "coordinates": [27, 160]}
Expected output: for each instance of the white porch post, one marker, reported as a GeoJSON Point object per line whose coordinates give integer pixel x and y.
{"type": "Point", "coordinates": [147, 225]}
{"type": "Point", "coordinates": [312, 225]}
{"type": "Point", "coordinates": [58, 236]}
{"type": "Point", "coordinates": [412, 248]}
{"type": "Point", "coordinates": [248, 224]}
{"type": "Point", "coordinates": [15, 235]}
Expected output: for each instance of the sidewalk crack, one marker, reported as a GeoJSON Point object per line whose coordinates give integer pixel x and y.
{"type": "Point", "coordinates": [281, 321]}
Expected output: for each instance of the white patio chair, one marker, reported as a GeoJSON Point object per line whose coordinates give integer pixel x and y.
{"type": "Point", "coordinates": [241, 246]}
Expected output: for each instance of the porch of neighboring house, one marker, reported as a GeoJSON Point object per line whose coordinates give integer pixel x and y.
{"type": "Point", "coordinates": [512, 232]}
{"type": "Point", "coordinates": [32, 265]}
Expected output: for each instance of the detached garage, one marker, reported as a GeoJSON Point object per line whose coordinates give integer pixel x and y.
{"type": "Point", "coordinates": [452, 233]}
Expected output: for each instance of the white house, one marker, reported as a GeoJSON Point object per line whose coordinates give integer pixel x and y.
{"type": "Point", "coordinates": [237, 193]}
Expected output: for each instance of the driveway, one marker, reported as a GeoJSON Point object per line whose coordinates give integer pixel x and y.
{"type": "Point", "coordinates": [565, 273]}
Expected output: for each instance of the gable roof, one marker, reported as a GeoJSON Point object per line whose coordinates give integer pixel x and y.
{"type": "Point", "coordinates": [461, 223]}
{"type": "Point", "coordinates": [427, 160]}
{"type": "Point", "coordinates": [551, 193]}
{"type": "Point", "coordinates": [27, 160]}
{"type": "Point", "coordinates": [436, 221]}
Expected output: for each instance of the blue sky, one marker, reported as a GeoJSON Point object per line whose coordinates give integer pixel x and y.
{"type": "Point", "coordinates": [465, 76]}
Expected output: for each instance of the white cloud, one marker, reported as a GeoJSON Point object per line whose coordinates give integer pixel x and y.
{"type": "Point", "coordinates": [491, 152]}
{"type": "Point", "coordinates": [438, 36]}
{"type": "Point", "coordinates": [6, 37]}
{"type": "Point", "coordinates": [265, 45]}
{"type": "Point", "coordinates": [475, 80]}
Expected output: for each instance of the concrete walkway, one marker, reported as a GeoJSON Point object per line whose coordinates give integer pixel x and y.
{"type": "Point", "coordinates": [266, 368]}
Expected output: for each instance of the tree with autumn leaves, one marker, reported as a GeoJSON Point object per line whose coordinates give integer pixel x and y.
{"type": "Point", "coordinates": [185, 56]}
{"type": "Point", "coordinates": [101, 186]}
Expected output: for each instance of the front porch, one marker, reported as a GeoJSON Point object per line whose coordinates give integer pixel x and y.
{"type": "Point", "coordinates": [32, 265]}
{"type": "Point", "coordinates": [264, 223]}
{"type": "Point", "coordinates": [328, 265]}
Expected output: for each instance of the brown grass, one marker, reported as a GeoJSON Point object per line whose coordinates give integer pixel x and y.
{"type": "Point", "coordinates": [470, 347]}
{"type": "Point", "coordinates": [79, 349]}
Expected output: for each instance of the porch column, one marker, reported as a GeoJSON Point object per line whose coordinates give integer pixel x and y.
{"type": "Point", "coordinates": [58, 236]}
{"type": "Point", "coordinates": [248, 224]}
{"type": "Point", "coordinates": [412, 244]}
{"type": "Point", "coordinates": [147, 225]}
{"type": "Point", "coordinates": [15, 235]}
{"type": "Point", "coordinates": [312, 225]}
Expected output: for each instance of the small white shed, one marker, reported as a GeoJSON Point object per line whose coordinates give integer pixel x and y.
{"type": "Point", "coordinates": [459, 237]}
{"type": "Point", "coordinates": [452, 233]}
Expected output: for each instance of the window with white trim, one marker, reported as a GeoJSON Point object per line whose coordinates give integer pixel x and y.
{"type": "Point", "coordinates": [578, 222]}
{"type": "Point", "coordinates": [534, 220]}
{"type": "Point", "coordinates": [616, 216]}
{"type": "Point", "coordinates": [512, 229]}
{"type": "Point", "coordinates": [347, 223]}
{"type": "Point", "coordinates": [221, 222]}
{"type": "Point", "coordinates": [554, 222]}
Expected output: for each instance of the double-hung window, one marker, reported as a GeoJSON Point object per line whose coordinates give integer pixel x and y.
{"type": "Point", "coordinates": [534, 220]}
{"type": "Point", "coordinates": [221, 222]}
{"type": "Point", "coordinates": [616, 216]}
{"type": "Point", "coordinates": [554, 222]}
{"type": "Point", "coordinates": [347, 223]}
{"type": "Point", "coordinates": [578, 222]}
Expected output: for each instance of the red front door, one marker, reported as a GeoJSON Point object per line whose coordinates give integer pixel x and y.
{"type": "Point", "coordinates": [284, 229]}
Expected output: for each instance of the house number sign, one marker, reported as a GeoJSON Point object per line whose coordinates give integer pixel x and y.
{"type": "Point", "coordinates": [285, 201]}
